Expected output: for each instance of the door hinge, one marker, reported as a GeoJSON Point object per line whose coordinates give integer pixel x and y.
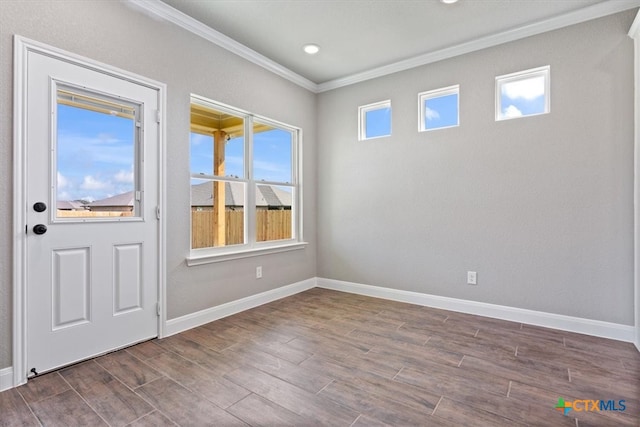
{"type": "Point", "coordinates": [157, 212]}
{"type": "Point", "coordinates": [158, 309]}
{"type": "Point", "coordinates": [158, 116]}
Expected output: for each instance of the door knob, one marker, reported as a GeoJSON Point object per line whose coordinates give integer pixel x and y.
{"type": "Point", "coordinates": [39, 207]}
{"type": "Point", "coordinates": [39, 228]}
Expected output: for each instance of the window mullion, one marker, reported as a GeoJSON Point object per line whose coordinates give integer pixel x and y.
{"type": "Point", "coordinates": [296, 207]}
{"type": "Point", "coordinates": [250, 203]}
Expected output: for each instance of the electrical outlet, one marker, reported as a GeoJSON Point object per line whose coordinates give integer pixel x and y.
{"type": "Point", "coordinates": [472, 278]}
{"type": "Point", "coordinates": [259, 272]}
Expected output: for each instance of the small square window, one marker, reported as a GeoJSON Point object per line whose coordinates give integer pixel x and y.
{"type": "Point", "coordinates": [522, 94]}
{"type": "Point", "coordinates": [439, 108]}
{"type": "Point", "coordinates": [374, 120]}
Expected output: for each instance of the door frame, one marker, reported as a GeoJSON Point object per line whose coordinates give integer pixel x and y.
{"type": "Point", "coordinates": [22, 46]}
{"type": "Point", "coordinates": [634, 33]}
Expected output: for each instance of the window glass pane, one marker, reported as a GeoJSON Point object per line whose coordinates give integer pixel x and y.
{"type": "Point", "coordinates": [523, 97]}
{"type": "Point", "coordinates": [95, 156]}
{"type": "Point", "coordinates": [217, 142]}
{"type": "Point", "coordinates": [201, 153]}
{"type": "Point", "coordinates": [272, 159]}
{"type": "Point", "coordinates": [216, 224]}
{"type": "Point", "coordinates": [273, 212]}
{"type": "Point", "coordinates": [441, 111]}
{"type": "Point", "coordinates": [523, 94]}
{"type": "Point", "coordinates": [378, 122]}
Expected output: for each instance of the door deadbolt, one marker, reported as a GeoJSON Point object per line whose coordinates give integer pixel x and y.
{"type": "Point", "coordinates": [39, 207]}
{"type": "Point", "coordinates": [39, 228]}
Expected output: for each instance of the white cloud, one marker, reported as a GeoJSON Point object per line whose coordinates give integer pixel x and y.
{"type": "Point", "coordinates": [95, 149]}
{"type": "Point", "coordinates": [91, 183]}
{"type": "Point", "coordinates": [124, 176]}
{"type": "Point", "coordinates": [106, 138]}
{"type": "Point", "coordinates": [64, 195]}
{"type": "Point", "coordinates": [197, 139]}
{"type": "Point", "coordinates": [62, 181]}
{"type": "Point", "coordinates": [234, 160]}
{"type": "Point", "coordinates": [511, 111]}
{"type": "Point", "coordinates": [431, 114]}
{"type": "Point", "coordinates": [269, 166]}
{"type": "Point", "coordinates": [527, 89]}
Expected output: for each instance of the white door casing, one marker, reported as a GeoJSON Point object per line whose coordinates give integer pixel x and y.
{"type": "Point", "coordinates": [87, 285]}
{"type": "Point", "coordinates": [634, 33]}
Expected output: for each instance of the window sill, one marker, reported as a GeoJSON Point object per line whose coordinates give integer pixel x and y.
{"type": "Point", "coordinates": [209, 258]}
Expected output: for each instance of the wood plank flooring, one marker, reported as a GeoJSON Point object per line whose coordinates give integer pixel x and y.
{"type": "Point", "coordinates": [330, 358]}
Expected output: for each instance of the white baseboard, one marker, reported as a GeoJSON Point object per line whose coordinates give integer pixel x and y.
{"type": "Point", "coordinates": [183, 323]}
{"type": "Point", "coordinates": [556, 321]}
{"type": "Point", "coordinates": [6, 379]}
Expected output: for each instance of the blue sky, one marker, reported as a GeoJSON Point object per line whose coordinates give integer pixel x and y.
{"type": "Point", "coordinates": [378, 122]}
{"type": "Point", "coordinates": [95, 154]}
{"type": "Point", "coordinates": [441, 111]}
{"type": "Point", "coordinates": [271, 154]}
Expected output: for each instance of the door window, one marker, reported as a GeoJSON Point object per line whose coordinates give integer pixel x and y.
{"type": "Point", "coordinates": [95, 156]}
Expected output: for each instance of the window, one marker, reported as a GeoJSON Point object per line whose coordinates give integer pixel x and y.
{"type": "Point", "coordinates": [96, 156]}
{"type": "Point", "coordinates": [439, 108]}
{"type": "Point", "coordinates": [244, 181]}
{"type": "Point", "coordinates": [374, 120]}
{"type": "Point", "coordinates": [523, 94]}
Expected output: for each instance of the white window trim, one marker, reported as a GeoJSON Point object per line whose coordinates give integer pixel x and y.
{"type": "Point", "coordinates": [251, 247]}
{"type": "Point", "coordinates": [362, 119]}
{"type": "Point", "coordinates": [208, 258]}
{"type": "Point", "coordinates": [523, 75]}
{"type": "Point", "coordinates": [436, 93]}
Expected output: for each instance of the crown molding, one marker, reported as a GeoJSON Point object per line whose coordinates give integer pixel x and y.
{"type": "Point", "coordinates": [598, 10]}
{"type": "Point", "coordinates": [158, 9]}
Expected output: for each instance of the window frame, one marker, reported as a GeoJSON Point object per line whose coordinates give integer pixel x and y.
{"type": "Point", "coordinates": [96, 101]}
{"type": "Point", "coordinates": [544, 71]}
{"type": "Point", "coordinates": [432, 94]}
{"type": "Point", "coordinates": [362, 119]}
{"type": "Point", "coordinates": [252, 247]}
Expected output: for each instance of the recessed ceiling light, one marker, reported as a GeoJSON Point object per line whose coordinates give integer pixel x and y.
{"type": "Point", "coordinates": [448, 1]}
{"type": "Point", "coordinates": [311, 48]}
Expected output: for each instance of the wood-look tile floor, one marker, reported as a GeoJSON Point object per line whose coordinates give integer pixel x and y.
{"type": "Point", "coordinates": [330, 358]}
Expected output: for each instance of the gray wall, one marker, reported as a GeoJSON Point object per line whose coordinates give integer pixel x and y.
{"type": "Point", "coordinates": [111, 32]}
{"type": "Point", "coordinates": [540, 207]}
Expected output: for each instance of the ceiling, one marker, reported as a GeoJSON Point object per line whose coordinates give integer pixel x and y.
{"type": "Point", "coordinates": [356, 36]}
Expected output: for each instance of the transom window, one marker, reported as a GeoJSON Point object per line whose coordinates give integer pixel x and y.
{"type": "Point", "coordinates": [374, 120]}
{"type": "Point", "coordinates": [439, 108]}
{"type": "Point", "coordinates": [522, 94]}
{"type": "Point", "coordinates": [244, 180]}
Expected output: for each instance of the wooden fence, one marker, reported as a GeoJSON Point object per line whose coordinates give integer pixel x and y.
{"type": "Point", "coordinates": [270, 225]}
{"type": "Point", "coordinates": [91, 214]}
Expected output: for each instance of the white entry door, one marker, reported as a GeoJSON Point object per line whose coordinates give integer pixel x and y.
{"type": "Point", "coordinates": [91, 175]}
